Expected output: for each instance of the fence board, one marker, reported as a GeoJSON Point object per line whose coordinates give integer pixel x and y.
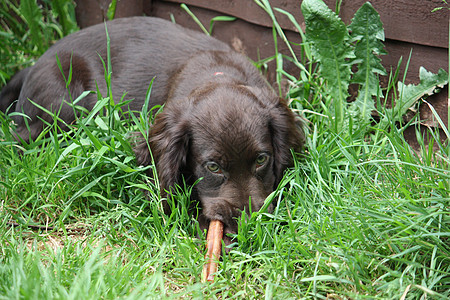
{"type": "Point", "coordinates": [404, 20]}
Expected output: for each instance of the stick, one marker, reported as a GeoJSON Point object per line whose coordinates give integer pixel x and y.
{"type": "Point", "coordinates": [214, 248]}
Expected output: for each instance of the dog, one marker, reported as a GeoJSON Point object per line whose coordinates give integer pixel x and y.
{"type": "Point", "coordinates": [222, 125]}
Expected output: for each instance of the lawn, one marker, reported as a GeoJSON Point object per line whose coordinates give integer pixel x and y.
{"type": "Point", "coordinates": [362, 215]}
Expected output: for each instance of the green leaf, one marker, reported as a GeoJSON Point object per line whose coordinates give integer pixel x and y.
{"type": "Point", "coordinates": [66, 151]}
{"type": "Point", "coordinates": [411, 93]}
{"type": "Point", "coordinates": [264, 4]}
{"type": "Point", "coordinates": [99, 155]}
{"type": "Point", "coordinates": [219, 19]}
{"type": "Point", "coordinates": [368, 34]}
{"type": "Point", "coordinates": [94, 139]}
{"type": "Point", "coordinates": [111, 13]}
{"type": "Point", "coordinates": [300, 31]}
{"type": "Point", "coordinates": [194, 17]}
{"type": "Point", "coordinates": [33, 17]}
{"type": "Point", "coordinates": [331, 48]}
{"type": "Point", "coordinates": [123, 166]}
{"type": "Point", "coordinates": [429, 81]}
{"type": "Point", "coordinates": [64, 11]}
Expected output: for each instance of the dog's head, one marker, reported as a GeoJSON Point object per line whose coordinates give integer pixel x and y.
{"type": "Point", "coordinates": [235, 138]}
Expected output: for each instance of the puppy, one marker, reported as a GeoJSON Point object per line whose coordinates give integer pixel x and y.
{"type": "Point", "coordinates": [222, 124]}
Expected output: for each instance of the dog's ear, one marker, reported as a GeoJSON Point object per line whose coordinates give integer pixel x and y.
{"type": "Point", "coordinates": [287, 133]}
{"type": "Point", "coordinates": [169, 142]}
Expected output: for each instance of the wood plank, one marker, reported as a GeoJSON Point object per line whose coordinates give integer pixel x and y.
{"type": "Point", "coordinates": [407, 20]}
{"type": "Point", "coordinates": [247, 10]}
{"type": "Point", "coordinates": [258, 40]}
{"type": "Point", "coordinates": [432, 58]}
{"type": "Point", "coordinates": [89, 13]}
{"type": "Point", "coordinates": [253, 40]}
{"type": "Point", "coordinates": [404, 20]}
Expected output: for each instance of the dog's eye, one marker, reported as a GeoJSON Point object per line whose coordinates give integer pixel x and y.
{"type": "Point", "coordinates": [261, 160]}
{"type": "Point", "coordinates": [213, 167]}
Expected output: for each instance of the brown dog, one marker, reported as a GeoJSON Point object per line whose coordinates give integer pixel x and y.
{"type": "Point", "coordinates": [221, 123]}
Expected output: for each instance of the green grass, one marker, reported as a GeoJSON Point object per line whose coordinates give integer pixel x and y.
{"type": "Point", "coordinates": [360, 216]}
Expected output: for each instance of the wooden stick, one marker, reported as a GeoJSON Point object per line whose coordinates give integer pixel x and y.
{"type": "Point", "coordinates": [214, 248]}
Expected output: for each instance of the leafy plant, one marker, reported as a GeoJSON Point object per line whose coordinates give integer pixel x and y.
{"type": "Point", "coordinates": [337, 47]}
{"type": "Point", "coordinates": [331, 47]}
{"type": "Point", "coordinates": [32, 16]}
{"type": "Point", "coordinates": [111, 13]}
{"type": "Point", "coordinates": [367, 34]}
{"type": "Point", "coordinates": [410, 94]}
{"type": "Point", "coordinates": [28, 30]}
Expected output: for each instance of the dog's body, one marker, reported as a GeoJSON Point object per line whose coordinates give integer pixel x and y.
{"type": "Point", "coordinates": [221, 121]}
{"type": "Point", "coordinates": [141, 48]}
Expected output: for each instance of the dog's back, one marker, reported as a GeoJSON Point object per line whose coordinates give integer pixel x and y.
{"type": "Point", "coordinates": [141, 48]}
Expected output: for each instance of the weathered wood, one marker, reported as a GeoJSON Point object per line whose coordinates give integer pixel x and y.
{"type": "Point", "coordinates": [253, 40]}
{"type": "Point", "coordinates": [404, 20]}
{"type": "Point", "coordinates": [93, 12]}
{"type": "Point", "coordinates": [407, 20]}
{"type": "Point", "coordinates": [248, 10]}
{"type": "Point", "coordinates": [258, 40]}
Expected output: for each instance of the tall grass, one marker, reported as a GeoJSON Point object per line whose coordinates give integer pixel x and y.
{"type": "Point", "coordinates": [360, 216]}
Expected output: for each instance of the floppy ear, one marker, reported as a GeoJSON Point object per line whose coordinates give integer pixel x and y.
{"type": "Point", "coordinates": [169, 142]}
{"type": "Point", "coordinates": [287, 134]}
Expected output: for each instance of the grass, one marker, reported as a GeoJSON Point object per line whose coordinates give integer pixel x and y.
{"type": "Point", "coordinates": [360, 216]}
